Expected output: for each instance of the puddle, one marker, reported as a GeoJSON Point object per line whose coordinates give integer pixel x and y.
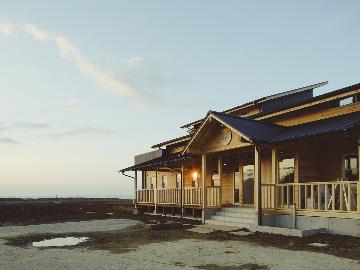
{"type": "Point", "coordinates": [60, 242]}
{"type": "Point", "coordinates": [318, 245]}
{"type": "Point", "coordinates": [90, 212]}
{"type": "Point", "coordinates": [109, 213]}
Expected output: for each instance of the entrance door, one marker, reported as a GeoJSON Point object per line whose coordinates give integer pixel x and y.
{"type": "Point", "coordinates": [236, 187]}
{"type": "Point", "coordinates": [248, 184]}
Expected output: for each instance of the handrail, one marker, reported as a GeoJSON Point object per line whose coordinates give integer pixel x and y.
{"type": "Point", "coordinates": [335, 196]}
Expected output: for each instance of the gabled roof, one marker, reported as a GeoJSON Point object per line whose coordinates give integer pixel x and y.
{"type": "Point", "coordinates": [260, 132]}
{"type": "Point", "coordinates": [254, 131]}
{"type": "Point", "coordinates": [265, 99]}
{"type": "Point", "coordinates": [257, 131]}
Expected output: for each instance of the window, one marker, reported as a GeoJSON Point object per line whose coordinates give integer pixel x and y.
{"type": "Point", "coordinates": [286, 169]}
{"type": "Point", "coordinates": [215, 179]}
{"type": "Point", "coordinates": [195, 179]}
{"type": "Point", "coordinates": [351, 167]}
{"type": "Point", "coordinates": [164, 181]}
{"type": "Point", "coordinates": [152, 182]}
{"type": "Point", "coordinates": [345, 101]}
{"type": "Point", "coordinates": [178, 180]}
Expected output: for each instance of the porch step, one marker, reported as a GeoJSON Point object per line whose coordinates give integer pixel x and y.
{"type": "Point", "coordinates": [231, 224]}
{"type": "Point", "coordinates": [234, 216]}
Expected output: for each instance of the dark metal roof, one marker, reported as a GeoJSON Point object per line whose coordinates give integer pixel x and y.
{"type": "Point", "coordinates": [316, 98]}
{"type": "Point", "coordinates": [255, 131]}
{"type": "Point", "coordinates": [261, 132]}
{"type": "Point", "coordinates": [265, 99]}
{"type": "Point", "coordinates": [161, 161]}
{"type": "Point", "coordinates": [179, 139]}
{"type": "Point", "coordinates": [324, 126]}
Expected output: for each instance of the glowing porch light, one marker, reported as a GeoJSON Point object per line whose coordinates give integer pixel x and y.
{"type": "Point", "coordinates": [195, 175]}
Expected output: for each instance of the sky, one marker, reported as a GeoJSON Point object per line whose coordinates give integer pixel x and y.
{"type": "Point", "coordinates": [86, 85]}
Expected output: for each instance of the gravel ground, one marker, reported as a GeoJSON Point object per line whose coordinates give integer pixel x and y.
{"type": "Point", "coordinates": [182, 254]}
{"type": "Point", "coordinates": [81, 226]}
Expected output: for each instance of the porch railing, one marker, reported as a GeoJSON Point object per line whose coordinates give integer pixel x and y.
{"type": "Point", "coordinates": [168, 196]}
{"type": "Point", "coordinates": [145, 195]}
{"type": "Point", "coordinates": [213, 196]}
{"type": "Point", "coordinates": [337, 196]}
{"type": "Point", "coordinates": [191, 196]}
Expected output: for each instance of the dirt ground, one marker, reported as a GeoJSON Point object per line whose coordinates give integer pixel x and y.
{"type": "Point", "coordinates": [110, 229]}
{"type": "Point", "coordinates": [51, 212]}
{"type": "Point", "coordinates": [141, 247]}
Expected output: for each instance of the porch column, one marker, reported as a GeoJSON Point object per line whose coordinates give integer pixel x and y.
{"type": "Point", "coordinates": [135, 189]}
{"type": "Point", "coordinates": [203, 184]}
{"type": "Point", "coordinates": [182, 189]}
{"type": "Point", "coordinates": [155, 191]}
{"type": "Point", "coordinates": [241, 185]}
{"type": "Point", "coordinates": [358, 184]}
{"type": "Point", "coordinates": [220, 164]}
{"type": "Point", "coordinates": [274, 174]}
{"type": "Point", "coordinates": [257, 185]}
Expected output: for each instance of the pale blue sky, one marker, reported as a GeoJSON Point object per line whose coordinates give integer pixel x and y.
{"type": "Point", "coordinates": [86, 85]}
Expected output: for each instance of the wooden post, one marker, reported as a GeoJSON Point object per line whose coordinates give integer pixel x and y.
{"type": "Point", "coordinates": [135, 189]}
{"type": "Point", "coordinates": [220, 164]}
{"type": "Point", "coordinates": [296, 180]}
{"type": "Point", "coordinates": [257, 185]}
{"type": "Point", "coordinates": [241, 188]}
{"type": "Point", "coordinates": [203, 184]}
{"type": "Point", "coordinates": [274, 173]}
{"type": "Point", "coordinates": [358, 183]}
{"type": "Point", "coordinates": [155, 192]}
{"type": "Point", "coordinates": [182, 189]}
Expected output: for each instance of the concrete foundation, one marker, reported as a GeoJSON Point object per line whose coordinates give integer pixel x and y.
{"type": "Point", "coordinates": [343, 226]}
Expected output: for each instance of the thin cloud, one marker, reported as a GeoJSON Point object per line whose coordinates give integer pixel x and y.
{"type": "Point", "coordinates": [83, 131]}
{"type": "Point", "coordinates": [32, 125]}
{"type": "Point", "coordinates": [73, 105]}
{"type": "Point", "coordinates": [103, 78]}
{"type": "Point", "coordinates": [7, 140]}
{"type": "Point", "coordinates": [6, 28]}
{"type": "Point", "coordinates": [37, 33]}
{"type": "Point", "coordinates": [135, 62]}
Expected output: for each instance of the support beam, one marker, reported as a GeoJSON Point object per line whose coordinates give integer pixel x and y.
{"type": "Point", "coordinates": [182, 189]}
{"type": "Point", "coordinates": [257, 185]}
{"type": "Point", "coordinates": [135, 189]}
{"type": "Point", "coordinates": [274, 173]}
{"type": "Point", "coordinates": [358, 184]}
{"type": "Point", "coordinates": [220, 168]}
{"type": "Point", "coordinates": [203, 184]}
{"type": "Point", "coordinates": [241, 185]}
{"type": "Point", "coordinates": [155, 192]}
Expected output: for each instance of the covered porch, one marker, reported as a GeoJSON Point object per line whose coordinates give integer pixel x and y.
{"type": "Point", "coordinates": [305, 170]}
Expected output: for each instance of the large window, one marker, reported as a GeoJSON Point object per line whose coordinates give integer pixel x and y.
{"type": "Point", "coordinates": [195, 179]}
{"type": "Point", "coordinates": [164, 181]}
{"type": "Point", "coordinates": [178, 180]}
{"type": "Point", "coordinates": [351, 167]}
{"type": "Point", "coordinates": [215, 179]}
{"type": "Point", "coordinates": [152, 182]}
{"type": "Point", "coordinates": [286, 168]}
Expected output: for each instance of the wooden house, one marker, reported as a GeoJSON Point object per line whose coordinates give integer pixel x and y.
{"type": "Point", "coordinates": [286, 160]}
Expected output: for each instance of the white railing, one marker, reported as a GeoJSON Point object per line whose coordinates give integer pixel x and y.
{"type": "Point", "coordinates": [338, 196]}
{"type": "Point", "coordinates": [213, 196]}
{"type": "Point", "coordinates": [145, 195]}
{"type": "Point", "coordinates": [192, 196]}
{"type": "Point", "coordinates": [168, 196]}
